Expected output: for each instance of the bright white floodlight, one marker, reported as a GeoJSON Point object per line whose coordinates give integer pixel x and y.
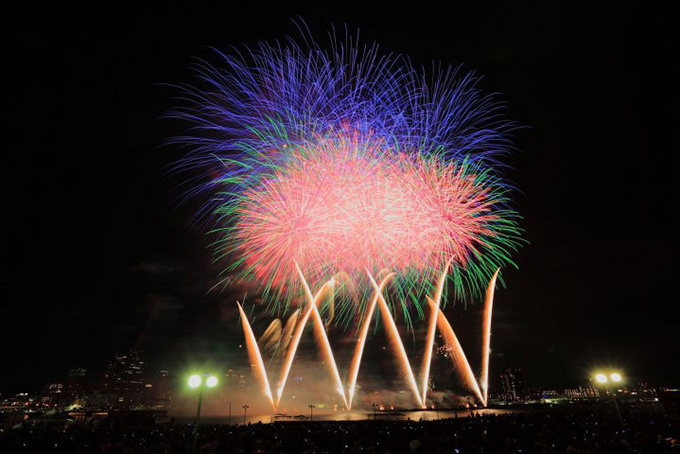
{"type": "Point", "coordinates": [195, 381]}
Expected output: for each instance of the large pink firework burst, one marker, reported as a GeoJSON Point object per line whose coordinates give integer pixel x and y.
{"type": "Point", "coordinates": [349, 204]}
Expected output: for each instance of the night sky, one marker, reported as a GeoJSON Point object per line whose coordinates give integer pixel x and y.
{"type": "Point", "coordinates": [98, 256]}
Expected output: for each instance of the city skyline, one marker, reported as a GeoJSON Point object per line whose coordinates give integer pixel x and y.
{"type": "Point", "coordinates": [127, 384]}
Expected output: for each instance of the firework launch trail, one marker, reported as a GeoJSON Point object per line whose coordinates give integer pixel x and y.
{"type": "Point", "coordinates": [437, 319]}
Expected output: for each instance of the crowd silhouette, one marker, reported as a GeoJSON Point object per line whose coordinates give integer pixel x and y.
{"type": "Point", "coordinates": [540, 432]}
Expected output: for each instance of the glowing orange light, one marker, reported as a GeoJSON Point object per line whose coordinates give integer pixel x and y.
{"type": "Point", "coordinates": [425, 374]}
{"type": "Point", "coordinates": [437, 320]}
{"type": "Point", "coordinates": [361, 342]}
{"type": "Point", "coordinates": [397, 345]}
{"type": "Point", "coordinates": [486, 332]}
{"type": "Point", "coordinates": [255, 357]}
{"type": "Point", "coordinates": [457, 354]}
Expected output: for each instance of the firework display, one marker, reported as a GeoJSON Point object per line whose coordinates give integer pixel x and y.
{"type": "Point", "coordinates": [476, 386]}
{"type": "Point", "coordinates": [344, 162]}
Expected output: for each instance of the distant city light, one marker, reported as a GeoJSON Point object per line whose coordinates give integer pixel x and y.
{"type": "Point", "coordinates": [195, 381]}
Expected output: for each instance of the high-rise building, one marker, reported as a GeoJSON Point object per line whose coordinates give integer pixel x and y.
{"type": "Point", "coordinates": [512, 384]}
{"type": "Point", "coordinates": [77, 382]}
{"type": "Point", "coordinates": [53, 395]}
{"type": "Point", "coordinates": [159, 390]}
{"type": "Point", "coordinates": [125, 379]}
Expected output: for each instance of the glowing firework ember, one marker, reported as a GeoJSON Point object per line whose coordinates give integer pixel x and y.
{"type": "Point", "coordinates": [348, 161]}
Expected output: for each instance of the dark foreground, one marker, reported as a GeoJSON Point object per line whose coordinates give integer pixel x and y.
{"type": "Point", "coordinates": [560, 431]}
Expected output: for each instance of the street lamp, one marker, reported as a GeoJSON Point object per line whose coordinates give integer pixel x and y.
{"type": "Point", "coordinates": [615, 377]}
{"type": "Point", "coordinates": [245, 409]}
{"type": "Point", "coordinates": [197, 381]}
{"type": "Point", "coordinates": [374, 407]}
{"type": "Point", "coordinates": [311, 409]}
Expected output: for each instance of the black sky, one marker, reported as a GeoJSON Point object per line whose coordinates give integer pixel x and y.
{"type": "Point", "coordinates": [97, 257]}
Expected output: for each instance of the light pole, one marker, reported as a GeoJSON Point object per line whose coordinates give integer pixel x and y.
{"type": "Point", "coordinates": [245, 409]}
{"type": "Point", "coordinates": [604, 380]}
{"type": "Point", "coordinates": [374, 407]}
{"type": "Point", "coordinates": [229, 413]}
{"type": "Point", "coordinates": [311, 409]}
{"type": "Point", "coordinates": [197, 381]}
